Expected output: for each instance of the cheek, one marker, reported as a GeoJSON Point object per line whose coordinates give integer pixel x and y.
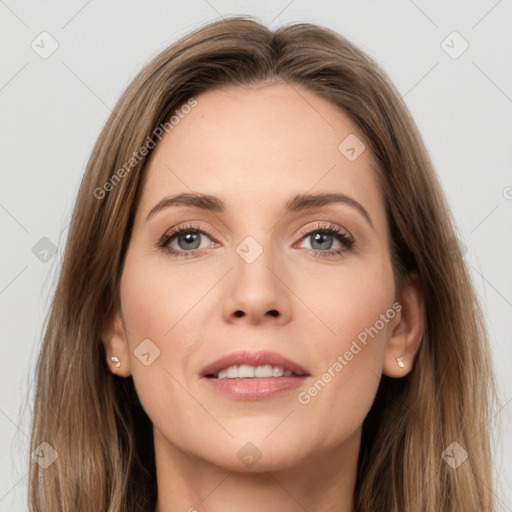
{"type": "Point", "coordinates": [157, 306]}
{"type": "Point", "coordinates": [156, 299]}
{"type": "Point", "coordinates": [155, 303]}
{"type": "Point", "coordinates": [348, 299]}
{"type": "Point", "coordinates": [357, 304]}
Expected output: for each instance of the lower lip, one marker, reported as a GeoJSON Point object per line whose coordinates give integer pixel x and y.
{"type": "Point", "coordinates": [255, 389]}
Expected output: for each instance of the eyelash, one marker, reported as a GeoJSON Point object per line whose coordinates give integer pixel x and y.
{"type": "Point", "coordinates": [176, 232]}
{"type": "Point", "coordinates": [329, 229]}
{"type": "Point", "coordinates": [338, 233]}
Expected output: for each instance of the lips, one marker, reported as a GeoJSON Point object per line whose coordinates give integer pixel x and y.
{"type": "Point", "coordinates": [258, 387]}
{"type": "Point", "coordinates": [246, 357]}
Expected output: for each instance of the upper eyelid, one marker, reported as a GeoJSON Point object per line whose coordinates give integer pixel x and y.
{"type": "Point", "coordinates": [319, 226]}
{"type": "Point", "coordinates": [324, 225]}
{"type": "Point", "coordinates": [171, 232]}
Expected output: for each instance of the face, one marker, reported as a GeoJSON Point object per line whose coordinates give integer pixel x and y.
{"type": "Point", "coordinates": [250, 271]}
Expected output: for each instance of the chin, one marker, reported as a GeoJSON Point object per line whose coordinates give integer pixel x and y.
{"type": "Point", "coordinates": [253, 454]}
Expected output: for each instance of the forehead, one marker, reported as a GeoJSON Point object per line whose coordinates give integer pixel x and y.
{"type": "Point", "coordinates": [264, 143]}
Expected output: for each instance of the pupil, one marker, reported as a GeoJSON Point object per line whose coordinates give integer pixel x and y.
{"type": "Point", "coordinates": [323, 239]}
{"type": "Point", "coordinates": [191, 239]}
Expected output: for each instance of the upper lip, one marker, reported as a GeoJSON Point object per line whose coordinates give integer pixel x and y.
{"type": "Point", "coordinates": [252, 358]}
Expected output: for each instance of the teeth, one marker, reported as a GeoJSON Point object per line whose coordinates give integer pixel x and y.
{"type": "Point", "coordinates": [231, 372]}
{"type": "Point", "coordinates": [263, 371]}
{"type": "Point", "coordinates": [277, 371]}
{"type": "Point", "coordinates": [245, 371]}
{"type": "Point", "coordinates": [258, 372]}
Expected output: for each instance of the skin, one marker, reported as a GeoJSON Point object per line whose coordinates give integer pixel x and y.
{"type": "Point", "coordinates": [270, 141]}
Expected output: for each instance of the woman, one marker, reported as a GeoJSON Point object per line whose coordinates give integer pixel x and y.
{"type": "Point", "coordinates": [262, 304]}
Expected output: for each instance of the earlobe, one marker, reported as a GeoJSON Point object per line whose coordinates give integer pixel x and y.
{"type": "Point", "coordinates": [407, 333]}
{"type": "Point", "coordinates": [116, 346]}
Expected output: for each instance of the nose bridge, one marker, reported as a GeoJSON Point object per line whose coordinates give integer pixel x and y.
{"type": "Point", "coordinates": [254, 257]}
{"type": "Point", "coordinates": [255, 291]}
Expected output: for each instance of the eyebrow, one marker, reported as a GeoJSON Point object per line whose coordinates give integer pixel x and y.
{"type": "Point", "coordinates": [297, 203]}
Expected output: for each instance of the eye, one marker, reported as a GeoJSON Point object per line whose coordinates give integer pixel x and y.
{"type": "Point", "coordinates": [185, 241]}
{"type": "Point", "coordinates": [188, 240]}
{"type": "Point", "coordinates": [327, 240]}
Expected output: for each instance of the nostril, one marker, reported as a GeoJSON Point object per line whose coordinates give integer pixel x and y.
{"type": "Point", "coordinates": [273, 312]}
{"type": "Point", "coordinates": [239, 313]}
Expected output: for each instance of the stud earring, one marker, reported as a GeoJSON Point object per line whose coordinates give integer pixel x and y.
{"type": "Point", "coordinates": [115, 361]}
{"type": "Point", "coordinates": [400, 361]}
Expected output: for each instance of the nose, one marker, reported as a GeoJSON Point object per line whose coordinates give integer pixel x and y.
{"type": "Point", "coordinates": [256, 292]}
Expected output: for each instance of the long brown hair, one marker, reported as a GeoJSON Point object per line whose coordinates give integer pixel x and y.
{"type": "Point", "coordinates": [94, 420]}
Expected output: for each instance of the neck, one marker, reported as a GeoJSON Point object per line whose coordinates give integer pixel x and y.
{"type": "Point", "coordinates": [321, 482]}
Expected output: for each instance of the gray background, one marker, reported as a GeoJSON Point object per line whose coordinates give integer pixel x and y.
{"type": "Point", "coordinates": [52, 110]}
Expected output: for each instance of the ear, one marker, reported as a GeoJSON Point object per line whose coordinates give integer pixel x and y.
{"type": "Point", "coordinates": [407, 331]}
{"type": "Point", "coordinates": [114, 340]}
